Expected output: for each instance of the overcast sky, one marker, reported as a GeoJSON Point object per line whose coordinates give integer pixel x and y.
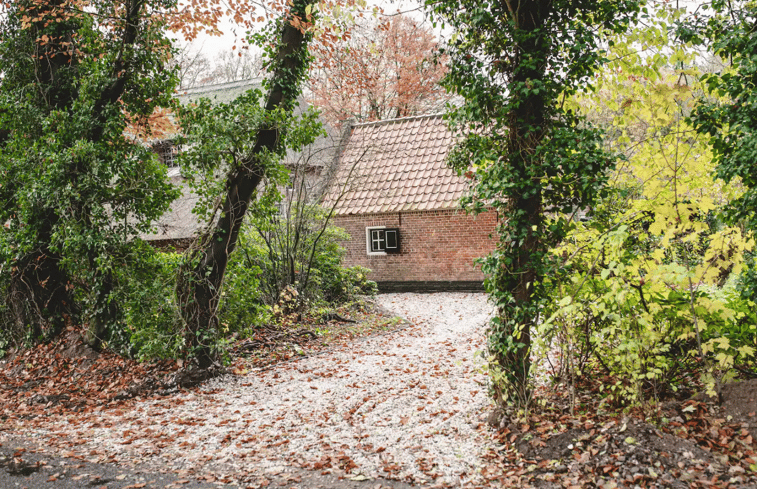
{"type": "Point", "coordinates": [234, 35]}
{"type": "Point", "coordinates": [211, 45]}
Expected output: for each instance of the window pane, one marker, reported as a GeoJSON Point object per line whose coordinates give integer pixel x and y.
{"type": "Point", "coordinates": [168, 155]}
{"type": "Point", "coordinates": [391, 239]}
{"type": "Point", "coordinates": [378, 242]}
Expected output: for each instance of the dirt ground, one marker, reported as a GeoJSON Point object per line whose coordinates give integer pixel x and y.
{"type": "Point", "coordinates": [695, 443]}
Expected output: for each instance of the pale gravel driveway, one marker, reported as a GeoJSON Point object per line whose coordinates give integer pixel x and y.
{"type": "Point", "coordinates": [408, 405]}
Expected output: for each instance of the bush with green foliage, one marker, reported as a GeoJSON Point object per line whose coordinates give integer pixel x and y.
{"type": "Point", "coordinates": [642, 320]}
{"type": "Point", "coordinates": [649, 290]}
{"type": "Point", "coordinates": [151, 322]}
{"type": "Point", "coordinates": [242, 306]}
{"type": "Point", "coordinates": [277, 254]}
{"type": "Point", "coordinates": [349, 283]}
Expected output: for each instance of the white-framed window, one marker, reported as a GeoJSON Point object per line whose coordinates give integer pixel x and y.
{"type": "Point", "coordinates": [381, 240]}
{"type": "Point", "coordinates": [167, 152]}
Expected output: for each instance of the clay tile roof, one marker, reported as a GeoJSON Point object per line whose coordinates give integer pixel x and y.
{"type": "Point", "coordinates": [396, 165]}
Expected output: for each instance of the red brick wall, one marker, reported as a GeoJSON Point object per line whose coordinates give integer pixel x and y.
{"type": "Point", "coordinates": [435, 245]}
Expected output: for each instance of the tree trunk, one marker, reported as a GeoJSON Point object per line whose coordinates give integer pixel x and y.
{"type": "Point", "coordinates": [105, 310]}
{"type": "Point", "coordinates": [198, 289]}
{"type": "Point", "coordinates": [40, 296]}
{"type": "Point", "coordinates": [527, 120]}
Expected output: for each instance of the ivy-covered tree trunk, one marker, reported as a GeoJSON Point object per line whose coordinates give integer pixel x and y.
{"type": "Point", "coordinates": [512, 62]}
{"type": "Point", "coordinates": [201, 278]}
{"type": "Point", "coordinates": [40, 291]}
{"type": "Point", "coordinates": [526, 134]}
{"type": "Point", "coordinates": [76, 188]}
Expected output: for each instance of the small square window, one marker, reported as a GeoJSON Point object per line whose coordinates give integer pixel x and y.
{"type": "Point", "coordinates": [382, 240]}
{"type": "Point", "coordinates": [167, 152]}
{"type": "Point", "coordinates": [169, 156]}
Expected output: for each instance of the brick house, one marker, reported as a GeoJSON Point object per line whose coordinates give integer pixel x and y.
{"type": "Point", "coordinates": [394, 194]}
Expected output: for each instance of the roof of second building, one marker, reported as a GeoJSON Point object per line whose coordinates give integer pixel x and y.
{"type": "Point", "coordinates": [396, 165]}
{"type": "Point", "coordinates": [219, 93]}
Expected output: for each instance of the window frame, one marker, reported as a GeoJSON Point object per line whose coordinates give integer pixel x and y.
{"type": "Point", "coordinates": [168, 153]}
{"type": "Point", "coordinates": [370, 239]}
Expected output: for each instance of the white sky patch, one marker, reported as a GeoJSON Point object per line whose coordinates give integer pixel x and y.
{"type": "Point", "coordinates": [235, 35]}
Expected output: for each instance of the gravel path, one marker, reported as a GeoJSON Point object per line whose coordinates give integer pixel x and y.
{"type": "Point", "coordinates": [406, 406]}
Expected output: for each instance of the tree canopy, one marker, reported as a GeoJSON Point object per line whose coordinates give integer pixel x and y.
{"type": "Point", "coordinates": [76, 186]}
{"type": "Point", "coordinates": [386, 69]}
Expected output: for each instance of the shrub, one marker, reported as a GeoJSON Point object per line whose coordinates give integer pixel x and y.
{"type": "Point", "coordinates": [242, 305]}
{"type": "Point", "coordinates": [646, 318]}
{"type": "Point", "coordinates": [353, 282]}
{"type": "Point", "coordinates": [302, 251]}
{"type": "Point", "coordinates": [287, 263]}
{"type": "Point", "coordinates": [151, 323]}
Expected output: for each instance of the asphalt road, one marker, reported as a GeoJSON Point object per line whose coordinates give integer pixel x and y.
{"type": "Point", "coordinates": [20, 468]}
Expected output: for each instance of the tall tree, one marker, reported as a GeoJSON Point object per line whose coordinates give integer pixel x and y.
{"type": "Point", "coordinates": [513, 62]}
{"type": "Point", "coordinates": [388, 69]}
{"type": "Point", "coordinates": [201, 277]}
{"type": "Point", "coordinates": [75, 187]}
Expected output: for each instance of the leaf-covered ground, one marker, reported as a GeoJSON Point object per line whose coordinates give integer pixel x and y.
{"type": "Point", "coordinates": [683, 444]}
{"type": "Point", "coordinates": [76, 397]}
{"type": "Point", "coordinates": [66, 376]}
